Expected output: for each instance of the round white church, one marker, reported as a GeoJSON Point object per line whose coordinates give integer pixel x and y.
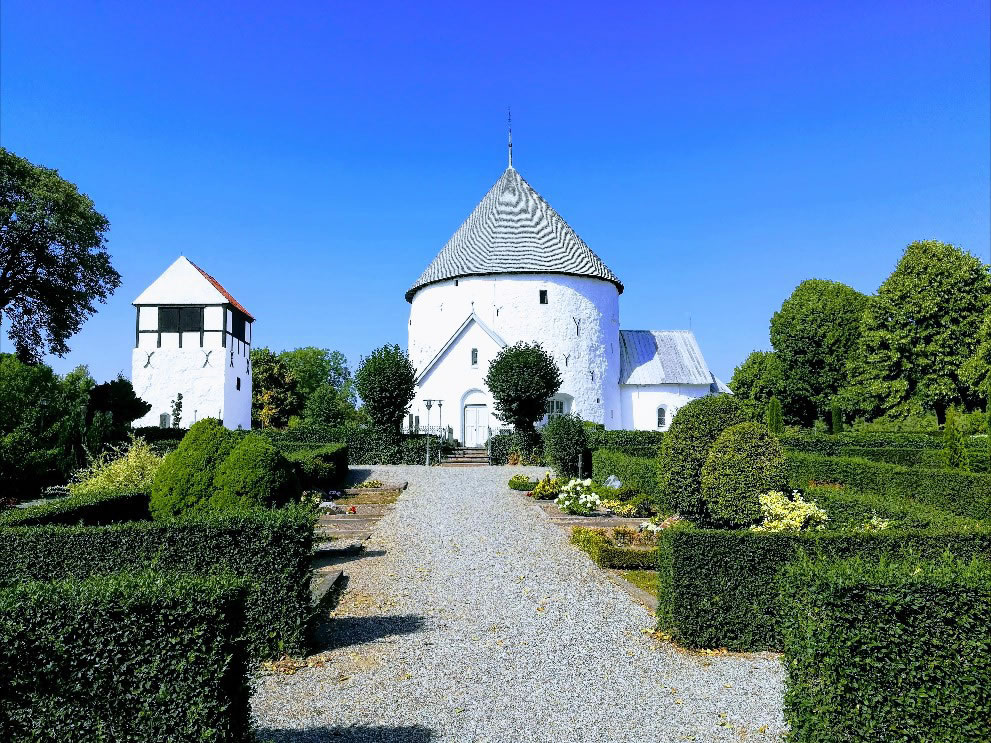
{"type": "Point", "coordinates": [515, 271]}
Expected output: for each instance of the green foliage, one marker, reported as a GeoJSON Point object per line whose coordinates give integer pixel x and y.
{"type": "Point", "coordinates": [386, 383]}
{"type": "Point", "coordinates": [889, 650]}
{"type": "Point", "coordinates": [254, 474]}
{"type": "Point", "coordinates": [366, 444]}
{"type": "Point", "coordinates": [112, 407]}
{"type": "Point", "coordinates": [177, 410]}
{"type": "Point", "coordinates": [565, 445]}
{"type": "Point", "coordinates": [720, 588]}
{"type": "Point", "coordinates": [606, 553]}
{"type": "Point", "coordinates": [272, 549]}
{"type": "Point", "coordinates": [633, 443]}
{"type": "Point", "coordinates": [775, 419]}
{"type": "Point", "coordinates": [962, 493]}
{"type": "Point", "coordinates": [757, 379]}
{"type": "Point", "coordinates": [184, 481]}
{"type": "Point", "coordinates": [92, 509]}
{"type": "Point", "coordinates": [926, 458]}
{"type": "Point", "coordinates": [523, 450]}
{"type": "Point", "coordinates": [126, 657]}
{"type": "Point", "coordinates": [686, 446]}
{"type": "Point", "coordinates": [976, 371]}
{"type": "Point", "coordinates": [813, 335]}
{"type": "Point", "coordinates": [954, 444]}
{"type": "Point", "coordinates": [578, 498]}
{"type": "Point", "coordinates": [781, 513]}
{"type": "Point", "coordinates": [56, 264]}
{"type": "Point", "coordinates": [131, 470]}
{"type": "Point", "coordinates": [314, 368]}
{"type": "Point", "coordinates": [522, 483]}
{"type": "Point", "coordinates": [744, 462]}
{"type": "Point", "coordinates": [920, 329]}
{"type": "Point", "coordinates": [548, 488]}
{"type": "Point", "coordinates": [521, 378]}
{"type": "Point", "coordinates": [835, 417]}
{"type": "Point", "coordinates": [328, 406]}
{"type": "Point", "coordinates": [639, 475]}
{"type": "Point", "coordinates": [321, 467]}
{"type": "Point", "coordinates": [275, 395]}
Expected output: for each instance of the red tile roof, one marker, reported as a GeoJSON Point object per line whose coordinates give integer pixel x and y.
{"type": "Point", "coordinates": [222, 290]}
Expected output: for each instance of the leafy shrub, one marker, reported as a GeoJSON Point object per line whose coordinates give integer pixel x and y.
{"type": "Point", "coordinates": [547, 488]}
{"type": "Point", "coordinates": [639, 475]}
{"type": "Point", "coordinates": [254, 475]}
{"type": "Point", "coordinates": [578, 498]}
{"type": "Point", "coordinates": [366, 444]}
{"type": "Point", "coordinates": [694, 429]}
{"type": "Point", "coordinates": [850, 510]}
{"type": "Point", "coordinates": [781, 513]}
{"type": "Point", "coordinates": [184, 481]}
{"type": "Point", "coordinates": [962, 493]}
{"type": "Point", "coordinates": [522, 450]}
{"type": "Point", "coordinates": [954, 443]}
{"type": "Point", "coordinates": [745, 461]}
{"type": "Point", "coordinates": [125, 657]}
{"type": "Point", "coordinates": [322, 467]}
{"type": "Point", "coordinates": [386, 383]}
{"type": "Point", "coordinates": [887, 650]}
{"type": "Point", "coordinates": [565, 445]}
{"type": "Point", "coordinates": [272, 549]}
{"type": "Point", "coordinates": [129, 471]}
{"type": "Point", "coordinates": [522, 482]}
{"type": "Point", "coordinates": [631, 443]}
{"type": "Point", "coordinates": [521, 378]}
{"type": "Point", "coordinates": [606, 552]}
{"type": "Point", "coordinates": [719, 587]}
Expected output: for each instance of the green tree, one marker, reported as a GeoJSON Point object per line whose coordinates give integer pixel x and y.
{"type": "Point", "coordinates": [954, 442]}
{"type": "Point", "coordinates": [835, 417]}
{"type": "Point", "coordinates": [813, 335]}
{"type": "Point", "coordinates": [521, 378]}
{"type": "Point", "coordinates": [112, 407]}
{"type": "Point", "coordinates": [757, 379]}
{"type": "Point", "coordinates": [274, 390]}
{"type": "Point", "coordinates": [53, 259]}
{"type": "Point", "coordinates": [775, 419]}
{"type": "Point", "coordinates": [316, 367]}
{"type": "Point", "coordinates": [386, 382]}
{"type": "Point", "coordinates": [919, 330]}
{"type": "Point", "coordinates": [328, 406]}
{"type": "Point", "coordinates": [976, 371]}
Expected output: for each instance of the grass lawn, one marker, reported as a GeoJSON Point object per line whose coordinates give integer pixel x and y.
{"type": "Point", "coordinates": [645, 580]}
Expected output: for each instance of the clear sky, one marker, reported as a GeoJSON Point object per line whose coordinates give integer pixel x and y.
{"type": "Point", "coordinates": [314, 156]}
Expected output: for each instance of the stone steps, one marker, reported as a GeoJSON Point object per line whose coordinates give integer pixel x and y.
{"type": "Point", "coordinates": [463, 457]}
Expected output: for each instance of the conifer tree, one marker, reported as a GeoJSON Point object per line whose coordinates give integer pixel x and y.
{"type": "Point", "coordinates": [775, 419]}
{"type": "Point", "coordinates": [835, 417]}
{"type": "Point", "coordinates": [954, 443]}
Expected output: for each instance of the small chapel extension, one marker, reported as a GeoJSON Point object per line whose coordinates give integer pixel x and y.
{"type": "Point", "coordinates": [516, 271]}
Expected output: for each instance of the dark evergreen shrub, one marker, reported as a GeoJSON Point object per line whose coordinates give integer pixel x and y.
{"type": "Point", "coordinates": [954, 443]}
{"type": "Point", "coordinates": [744, 462]}
{"type": "Point", "coordinates": [686, 446]}
{"type": "Point", "coordinates": [320, 467]}
{"type": "Point", "coordinates": [140, 658]}
{"type": "Point", "coordinates": [184, 482]}
{"type": "Point", "coordinates": [91, 509]}
{"type": "Point", "coordinates": [255, 474]}
{"type": "Point", "coordinates": [835, 417]}
{"type": "Point", "coordinates": [565, 445]}
{"type": "Point", "coordinates": [775, 417]}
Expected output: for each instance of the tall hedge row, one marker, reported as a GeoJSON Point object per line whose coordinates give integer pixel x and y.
{"type": "Point", "coordinates": [720, 588]}
{"type": "Point", "coordinates": [640, 474]}
{"type": "Point", "coordinates": [272, 549]}
{"type": "Point", "coordinates": [366, 444]}
{"type": "Point", "coordinates": [138, 658]}
{"type": "Point", "coordinates": [933, 459]}
{"type": "Point", "coordinates": [833, 445]}
{"type": "Point", "coordinates": [963, 493]}
{"type": "Point", "coordinates": [631, 443]}
{"type": "Point", "coordinates": [91, 509]}
{"type": "Point", "coordinates": [887, 651]}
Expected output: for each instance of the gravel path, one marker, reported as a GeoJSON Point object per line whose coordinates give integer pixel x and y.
{"type": "Point", "coordinates": [473, 619]}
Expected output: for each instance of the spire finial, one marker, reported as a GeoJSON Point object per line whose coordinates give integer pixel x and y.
{"type": "Point", "coordinates": [509, 112]}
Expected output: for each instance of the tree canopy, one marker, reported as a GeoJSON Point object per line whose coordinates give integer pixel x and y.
{"type": "Point", "coordinates": [314, 367]}
{"type": "Point", "coordinates": [919, 330]}
{"type": "Point", "coordinates": [54, 264]}
{"type": "Point", "coordinates": [813, 334]}
{"type": "Point", "coordinates": [386, 382]}
{"type": "Point", "coordinates": [976, 371]}
{"type": "Point", "coordinates": [757, 379]}
{"type": "Point", "coordinates": [521, 378]}
{"type": "Point", "coordinates": [274, 390]}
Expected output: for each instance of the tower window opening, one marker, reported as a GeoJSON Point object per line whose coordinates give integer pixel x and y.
{"type": "Point", "coordinates": [543, 296]}
{"type": "Point", "coordinates": [474, 357]}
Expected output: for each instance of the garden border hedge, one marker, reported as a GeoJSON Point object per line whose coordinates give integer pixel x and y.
{"type": "Point", "coordinates": [143, 658]}
{"type": "Point", "coordinates": [832, 444]}
{"type": "Point", "coordinates": [639, 474]}
{"type": "Point", "coordinates": [607, 554]}
{"type": "Point", "coordinates": [92, 509]}
{"type": "Point", "coordinates": [324, 466]}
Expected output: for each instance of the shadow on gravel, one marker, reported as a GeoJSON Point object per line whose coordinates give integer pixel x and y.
{"type": "Point", "coordinates": [357, 474]}
{"type": "Point", "coordinates": [411, 734]}
{"type": "Point", "coordinates": [341, 632]}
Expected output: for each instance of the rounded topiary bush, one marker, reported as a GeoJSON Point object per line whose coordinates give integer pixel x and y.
{"type": "Point", "coordinates": [686, 445]}
{"type": "Point", "coordinates": [184, 481]}
{"type": "Point", "coordinates": [565, 444]}
{"type": "Point", "coordinates": [254, 474]}
{"type": "Point", "coordinates": [745, 462]}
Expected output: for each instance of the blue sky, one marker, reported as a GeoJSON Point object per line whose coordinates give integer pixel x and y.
{"type": "Point", "coordinates": [315, 156]}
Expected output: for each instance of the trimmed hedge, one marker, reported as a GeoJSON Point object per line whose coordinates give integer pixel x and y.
{"type": "Point", "coordinates": [254, 475]}
{"type": "Point", "coordinates": [366, 444]}
{"type": "Point", "coordinates": [639, 474]}
{"type": "Point", "coordinates": [184, 481]}
{"type": "Point", "coordinates": [566, 445]}
{"type": "Point", "coordinates": [501, 445]}
{"type": "Point", "coordinates": [607, 554]}
{"type": "Point", "coordinates": [892, 651]}
{"type": "Point", "coordinates": [851, 510]}
{"type": "Point", "coordinates": [273, 549]}
{"type": "Point", "coordinates": [833, 445]}
{"type": "Point", "coordinates": [963, 493]}
{"type": "Point", "coordinates": [91, 509]}
{"type": "Point", "coordinates": [719, 588]}
{"type": "Point", "coordinates": [631, 443]}
{"type": "Point", "coordinates": [926, 458]}
{"type": "Point", "coordinates": [321, 467]}
{"type": "Point", "coordinates": [125, 657]}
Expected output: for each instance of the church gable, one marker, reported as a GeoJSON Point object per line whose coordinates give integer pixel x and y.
{"type": "Point", "coordinates": [468, 351]}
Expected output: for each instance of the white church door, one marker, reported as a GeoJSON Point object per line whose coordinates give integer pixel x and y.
{"type": "Point", "coordinates": [476, 426]}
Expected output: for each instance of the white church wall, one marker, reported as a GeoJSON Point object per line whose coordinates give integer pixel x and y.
{"type": "Point", "coordinates": [159, 374]}
{"type": "Point", "coordinates": [640, 403]}
{"type": "Point", "coordinates": [586, 351]}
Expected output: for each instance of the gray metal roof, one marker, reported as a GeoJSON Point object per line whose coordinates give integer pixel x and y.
{"type": "Point", "coordinates": [513, 230]}
{"type": "Point", "coordinates": [662, 357]}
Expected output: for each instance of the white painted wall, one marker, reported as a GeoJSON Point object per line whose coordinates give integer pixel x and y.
{"type": "Point", "coordinates": [509, 304]}
{"type": "Point", "coordinates": [640, 403]}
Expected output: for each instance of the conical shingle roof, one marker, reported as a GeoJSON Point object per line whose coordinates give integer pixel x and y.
{"type": "Point", "coordinates": [513, 230]}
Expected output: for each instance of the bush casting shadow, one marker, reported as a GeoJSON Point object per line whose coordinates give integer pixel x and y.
{"type": "Point", "coordinates": [376, 734]}
{"type": "Point", "coordinates": [334, 633]}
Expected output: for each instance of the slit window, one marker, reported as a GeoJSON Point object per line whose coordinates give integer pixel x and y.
{"type": "Point", "coordinates": [543, 296]}
{"type": "Point", "coordinates": [474, 357]}
{"type": "Point", "coordinates": [239, 383]}
{"type": "Point", "coordinates": [662, 417]}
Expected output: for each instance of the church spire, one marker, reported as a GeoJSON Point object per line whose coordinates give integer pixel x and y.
{"type": "Point", "coordinates": [509, 112]}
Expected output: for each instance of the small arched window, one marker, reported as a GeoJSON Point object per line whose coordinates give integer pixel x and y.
{"type": "Point", "coordinates": [662, 417]}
